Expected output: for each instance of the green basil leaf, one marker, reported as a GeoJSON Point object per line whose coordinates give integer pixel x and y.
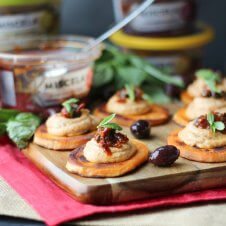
{"type": "Point", "coordinates": [6, 114]}
{"type": "Point", "coordinates": [103, 74]}
{"type": "Point", "coordinates": [67, 104]}
{"type": "Point", "coordinates": [211, 78]}
{"type": "Point", "coordinates": [137, 61]}
{"type": "Point", "coordinates": [130, 91]}
{"type": "Point", "coordinates": [106, 123]}
{"type": "Point", "coordinates": [160, 75]}
{"type": "Point", "coordinates": [213, 128]}
{"type": "Point", "coordinates": [207, 74]}
{"type": "Point", "coordinates": [112, 126]}
{"type": "Point", "coordinates": [106, 120]}
{"type": "Point", "coordinates": [21, 128]}
{"type": "Point", "coordinates": [210, 118]}
{"type": "Point", "coordinates": [219, 126]}
{"type": "Point", "coordinates": [131, 75]}
{"type": "Point", "coordinates": [71, 101]}
{"type": "Point", "coordinates": [212, 86]}
{"type": "Point", "coordinates": [156, 94]}
{"type": "Point", "coordinates": [2, 128]}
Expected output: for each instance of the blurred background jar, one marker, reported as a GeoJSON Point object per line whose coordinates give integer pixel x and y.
{"type": "Point", "coordinates": [167, 35]}
{"type": "Point", "coordinates": [21, 17]}
{"type": "Point", "coordinates": [179, 55]}
{"type": "Point", "coordinates": [162, 18]}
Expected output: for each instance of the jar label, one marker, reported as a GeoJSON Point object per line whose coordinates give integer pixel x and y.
{"type": "Point", "coordinates": [51, 90]}
{"type": "Point", "coordinates": [7, 87]}
{"type": "Point", "coordinates": [21, 23]}
{"type": "Point", "coordinates": [160, 17]}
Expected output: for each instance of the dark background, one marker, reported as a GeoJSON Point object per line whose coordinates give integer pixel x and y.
{"type": "Point", "coordinates": [91, 17]}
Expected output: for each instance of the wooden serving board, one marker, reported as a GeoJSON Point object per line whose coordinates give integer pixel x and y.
{"type": "Point", "coordinates": [147, 181]}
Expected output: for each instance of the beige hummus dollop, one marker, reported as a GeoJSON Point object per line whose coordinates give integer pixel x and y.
{"type": "Point", "coordinates": [127, 107]}
{"type": "Point", "coordinates": [204, 105]}
{"type": "Point", "coordinates": [198, 86]}
{"type": "Point", "coordinates": [61, 126]}
{"type": "Point", "coordinates": [93, 152]}
{"type": "Point", "coordinates": [201, 138]}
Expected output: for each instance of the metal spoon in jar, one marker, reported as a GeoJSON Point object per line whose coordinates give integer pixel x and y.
{"type": "Point", "coordinates": [120, 25]}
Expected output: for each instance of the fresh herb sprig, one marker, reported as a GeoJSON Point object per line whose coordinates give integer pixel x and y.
{"type": "Point", "coordinates": [119, 68]}
{"type": "Point", "coordinates": [211, 78]}
{"type": "Point", "coordinates": [130, 89]}
{"type": "Point", "coordinates": [106, 123]}
{"type": "Point", "coordinates": [68, 104]}
{"type": "Point", "coordinates": [20, 127]}
{"type": "Point", "coordinates": [215, 125]}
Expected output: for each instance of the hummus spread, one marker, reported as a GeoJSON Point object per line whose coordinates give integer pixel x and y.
{"type": "Point", "coordinates": [127, 107]}
{"type": "Point", "coordinates": [93, 152]}
{"type": "Point", "coordinates": [201, 138]}
{"type": "Point", "coordinates": [196, 88]}
{"type": "Point", "coordinates": [204, 105]}
{"type": "Point", "coordinates": [61, 126]}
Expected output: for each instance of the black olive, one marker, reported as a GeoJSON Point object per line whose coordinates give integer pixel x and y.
{"type": "Point", "coordinates": [217, 95]}
{"type": "Point", "coordinates": [164, 156]}
{"type": "Point", "coordinates": [141, 129]}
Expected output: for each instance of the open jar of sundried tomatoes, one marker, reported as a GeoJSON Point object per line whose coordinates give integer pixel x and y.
{"type": "Point", "coordinates": [162, 18]}
{"type": "Point", "coordinates": [37, 73]}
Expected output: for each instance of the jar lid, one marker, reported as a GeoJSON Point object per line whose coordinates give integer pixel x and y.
{"type": "Point", "coordinates": [6, 3]}
{"type": "Point", "coordinates": [203, 35]}
{"type": "Point", "coordinates": [53, 51]}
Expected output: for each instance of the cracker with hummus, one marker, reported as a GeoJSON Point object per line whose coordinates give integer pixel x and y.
{"type": "Point", "coordinates": [109, 153]}
{"type": "Point", "coordinates": [70, 128]}
{"type": "Point", "coordinates": [203, 139]}
{"type": "Point", "coordinates": [129, 105]}
{"type": "Point", "coordinates": [211, 96]}
{"type": "Point", "coordinates": [204, 78]}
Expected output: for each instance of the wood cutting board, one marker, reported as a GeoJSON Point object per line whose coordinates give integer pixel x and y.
{"type": "Point", "coordinates": [145, 182]}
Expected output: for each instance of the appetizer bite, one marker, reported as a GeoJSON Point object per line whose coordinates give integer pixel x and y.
{"type": "Point", "coordinates": [212, 97]}
{"type": "Point", "coordinates": [130, 105]}
{"type": "Point", "coordinates": [109, 153]}
{"type": "Point", "coordinates": [70, 128]}
{"type": "Point", "coordinates": [204, 79]}
{"type": "Point", "coordinates": [202, 140]}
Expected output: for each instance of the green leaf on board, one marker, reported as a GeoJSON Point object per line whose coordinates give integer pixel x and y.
{"type": "Point", "coordinates": [21, 128]}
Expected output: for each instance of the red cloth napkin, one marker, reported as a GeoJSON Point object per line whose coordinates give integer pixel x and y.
{"type": "Point", "coordinates": [55, 206]}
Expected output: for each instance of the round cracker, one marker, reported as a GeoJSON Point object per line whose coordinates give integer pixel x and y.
{"type": "Point", "coordinates": [213, 155]}
{"type": "Point", "coordinates": [157, 115]}
{"type": "Point", "coordinates": [78, 164]}
{"type": "Point", "coordinates": [181, 118]}
{"type": "Point", "coordinates": [44, 139]}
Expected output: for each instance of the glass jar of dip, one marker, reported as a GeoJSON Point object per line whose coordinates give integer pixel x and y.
{"type": "Point", "coordinates": [37, 73]}
{"type": "Point", "coordinates": [163, 17]}
{"type": "Point", "coordinates": [20, 17]}
{"type": "Point", "coordinates": [180, 55]}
